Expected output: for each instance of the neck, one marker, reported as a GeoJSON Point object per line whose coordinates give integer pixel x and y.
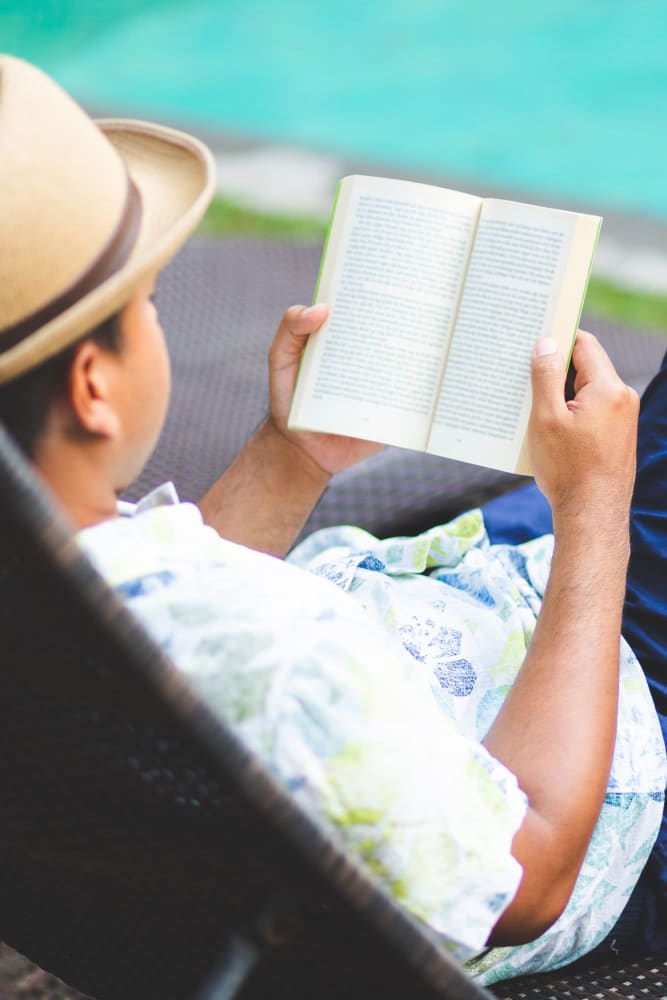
{"type": "Point", "coordinates": [78, 478]}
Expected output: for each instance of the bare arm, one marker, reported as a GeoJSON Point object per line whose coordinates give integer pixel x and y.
{"type": "Point", "coordinates": [557, 727]}
{"type": "Point", "coordinates": [265, 496]}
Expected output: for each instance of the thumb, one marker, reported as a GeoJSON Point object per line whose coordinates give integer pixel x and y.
{"type": "Point", "coordinates": [297, 323]}
{"type": "Point", "coordinates": [548, 378]}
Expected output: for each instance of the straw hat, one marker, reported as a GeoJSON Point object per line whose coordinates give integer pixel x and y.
{"type": "Point", "coordinates": [87, 211]}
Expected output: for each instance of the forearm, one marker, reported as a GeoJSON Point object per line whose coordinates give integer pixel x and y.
{"type": "Point", "coordinates": [265, 496]}
{"type": "Point", "coordinates": [557, 728]}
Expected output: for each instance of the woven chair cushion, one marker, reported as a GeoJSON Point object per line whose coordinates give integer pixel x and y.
{"type": "Point", "coordinates": [220, 303]}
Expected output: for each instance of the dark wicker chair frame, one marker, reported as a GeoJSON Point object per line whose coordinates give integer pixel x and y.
{"type": "Point", "coordinates": [140, 842]}
{"type": "Point", "coordinates": [144, 853]}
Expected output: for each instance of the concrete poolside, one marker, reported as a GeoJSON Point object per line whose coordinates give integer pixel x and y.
{"type": "Point", "coordinates": [290, 180]}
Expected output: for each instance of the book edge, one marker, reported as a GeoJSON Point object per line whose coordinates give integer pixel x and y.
{"type": "Point", "coordinates": [292, 419]}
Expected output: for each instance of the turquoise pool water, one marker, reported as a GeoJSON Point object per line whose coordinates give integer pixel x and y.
{"type": "Point", "coordinates": [560, 97]}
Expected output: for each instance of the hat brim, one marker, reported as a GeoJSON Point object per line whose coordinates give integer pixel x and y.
{"type": "Point", "coordinates": [175, 175]}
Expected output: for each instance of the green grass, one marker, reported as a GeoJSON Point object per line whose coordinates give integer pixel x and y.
{"type": "Point", "coordinates": [225, 218]}
{"type": "Point", "coordinates": [634, 308]}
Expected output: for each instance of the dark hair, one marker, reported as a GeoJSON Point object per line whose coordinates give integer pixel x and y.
{"type": "Point", "coordinates": [25, 402]}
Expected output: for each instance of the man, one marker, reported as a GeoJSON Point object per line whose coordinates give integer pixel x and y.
{"type": "Point", "coordinates": [481, 826]}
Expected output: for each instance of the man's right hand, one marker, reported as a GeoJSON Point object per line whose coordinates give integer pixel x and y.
{"type": "Point", "coordinates": [582, 450]}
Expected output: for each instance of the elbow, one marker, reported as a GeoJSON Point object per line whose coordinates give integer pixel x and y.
{"type": "Point", "coordinates": [525, 920]}
{"type": "Point", "coordinates": [550, 869]}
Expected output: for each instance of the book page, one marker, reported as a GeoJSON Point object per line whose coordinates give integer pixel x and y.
{"type": "Point", "coordinates": [512, 296]}
{"type": "Point", "coordinates": [392, 276]}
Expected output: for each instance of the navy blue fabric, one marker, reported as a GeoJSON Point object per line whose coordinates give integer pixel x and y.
{"type": "Point", "coordinates": [645, 616]}
{"type": "Point", "coordinates": [645, 627]}
{"type": "Point", "coordinates": [519, 516]}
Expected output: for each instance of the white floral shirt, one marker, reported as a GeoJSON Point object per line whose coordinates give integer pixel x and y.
{"type": "Point", "coordinates": [365, 673]}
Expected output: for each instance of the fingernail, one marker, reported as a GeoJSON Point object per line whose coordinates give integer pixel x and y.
{"type": "Point", "coordinates": [544, 346]}
{"type": "Point", "coordinates": [310, 310]}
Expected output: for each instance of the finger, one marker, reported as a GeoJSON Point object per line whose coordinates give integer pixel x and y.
{"type": "Point", "coordinates": [297, 323]}
{"type": "Point", "coordinates": [590, 360]}
{"type": "Point", "coordinates": [548, 378]}
{"type": "Point", "coordinates": [301, 321]}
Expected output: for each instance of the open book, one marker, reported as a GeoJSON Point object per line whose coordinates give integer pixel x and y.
{"type": "Point", "coordinates": [436, 299]}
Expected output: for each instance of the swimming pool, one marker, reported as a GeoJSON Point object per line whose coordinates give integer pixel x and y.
{"type": "Point", "coordinates": [561, 97]}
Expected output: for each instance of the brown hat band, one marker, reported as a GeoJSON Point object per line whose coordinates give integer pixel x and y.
{"type": "Point", "coordinates": [110, 259]}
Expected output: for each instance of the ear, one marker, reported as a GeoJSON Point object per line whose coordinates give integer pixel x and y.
{"type": "Point", "coordinates": [91, 397]}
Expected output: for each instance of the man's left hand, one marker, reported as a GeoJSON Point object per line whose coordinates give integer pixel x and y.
{"type": "Point", "coordinates": [332, 452]}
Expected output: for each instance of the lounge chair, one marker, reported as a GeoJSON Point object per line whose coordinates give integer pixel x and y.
{"type": "Point", "coordinates": [144, 854]}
